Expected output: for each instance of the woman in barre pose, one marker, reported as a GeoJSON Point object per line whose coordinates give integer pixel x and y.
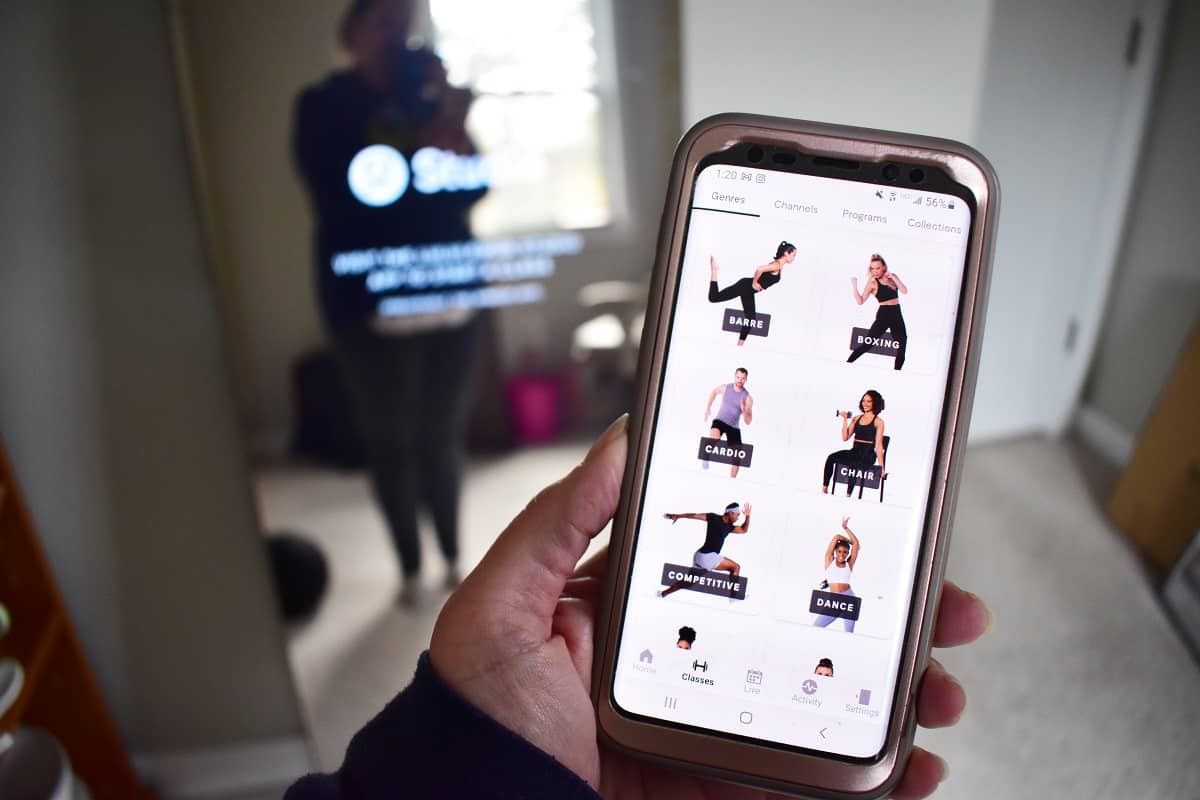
{"type": "Point", "coordinates": [764, 278]}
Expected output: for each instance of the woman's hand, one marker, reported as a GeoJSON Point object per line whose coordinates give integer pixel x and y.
{"type": "Point", "coordinates": [860, 297]}
{"type": "Point", "coordinates": [518, 637]}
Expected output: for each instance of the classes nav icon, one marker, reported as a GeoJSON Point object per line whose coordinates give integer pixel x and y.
{"type": "Point", "coordinates": [701, 667]}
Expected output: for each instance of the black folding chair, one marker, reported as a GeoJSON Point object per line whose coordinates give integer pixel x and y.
{"type": "Point", "coordinates": [887, 440]}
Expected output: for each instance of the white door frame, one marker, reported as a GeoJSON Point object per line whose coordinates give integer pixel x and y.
{"type": "Point", "coordinates": [1070, 177]}
{"type": "Point", "coordinates": [1113, 215]}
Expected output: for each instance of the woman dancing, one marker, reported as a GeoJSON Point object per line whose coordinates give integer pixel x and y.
{"type": "Point", "coordinates": [867, 430]}
{"type": "Point", "coordinates": [764, 278]}
{"type": "Point", "coordinates": [840, 558]}
{"type": "Point", "coordinates": [887, 288]}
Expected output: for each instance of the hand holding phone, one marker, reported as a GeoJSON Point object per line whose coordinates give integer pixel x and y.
{"type": "Point", "coordinates": [739, 185]}
{"type": "Point", "coordinates": [516, 639]}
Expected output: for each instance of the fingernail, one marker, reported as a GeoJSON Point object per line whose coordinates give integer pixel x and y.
{"type": "Point", "coordinates": [963, 710]}
{"type": "Point", "coordinates": [615, 431]}
{"type": "Point", "coordinates": [945, 769]}
{"type": "Point", "coordinates": [991, 618]}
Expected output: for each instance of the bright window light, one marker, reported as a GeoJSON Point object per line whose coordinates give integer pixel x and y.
{"type": "Point", "coordinates": [604, 332]}
{"type": "Point", "coordinates": [538, 110]}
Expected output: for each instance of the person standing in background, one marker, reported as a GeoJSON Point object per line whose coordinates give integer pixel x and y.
{"type": "Point", "coordinates": [410, 378]}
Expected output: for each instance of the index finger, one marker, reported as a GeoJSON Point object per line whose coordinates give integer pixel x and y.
{"type": "Point", "coordinates": [522, 576]}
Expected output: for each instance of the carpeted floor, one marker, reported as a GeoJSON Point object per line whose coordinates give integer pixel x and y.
{"type": "Point", "coordinates": [1082, 690]}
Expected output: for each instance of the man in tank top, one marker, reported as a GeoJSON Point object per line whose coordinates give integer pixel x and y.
{"type": "Point", "coordinates": [736, 406]}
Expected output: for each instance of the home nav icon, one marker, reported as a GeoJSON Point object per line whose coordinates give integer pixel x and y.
{"type": "Point", "coordinates": [646, 657]}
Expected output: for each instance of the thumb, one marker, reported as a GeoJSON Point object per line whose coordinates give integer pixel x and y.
{"type": "Point", "coordinates": [524, 572]}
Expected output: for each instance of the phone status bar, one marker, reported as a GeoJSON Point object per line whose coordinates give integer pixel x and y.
{"type": "Point", "coordinates": [730, 176]}
{"type": "Point", "coordinates": [923, 199]}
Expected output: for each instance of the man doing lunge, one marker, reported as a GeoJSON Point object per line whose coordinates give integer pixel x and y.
{"type": "Point", "coordinates": [719, 526]}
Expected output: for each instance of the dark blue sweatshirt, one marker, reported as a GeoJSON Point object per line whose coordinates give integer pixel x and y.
{"type": "Point", "coordinates": [429, 742]}
{"type": "Point", "coordinates": [332, 122]}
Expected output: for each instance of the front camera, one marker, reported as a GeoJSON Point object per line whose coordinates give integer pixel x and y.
{"type": "Point", "coordinates": [891, 172]}
{"type": "Point", "coordinates": [916, 175]}
{"type": "Point", "coordinates": [754, 154]}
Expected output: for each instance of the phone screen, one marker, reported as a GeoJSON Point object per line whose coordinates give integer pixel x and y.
{"type": "Point", "coordinates": [793, 450]}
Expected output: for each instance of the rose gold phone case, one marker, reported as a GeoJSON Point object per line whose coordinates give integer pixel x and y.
{"type": "Point", "coordinates": [759, 764]}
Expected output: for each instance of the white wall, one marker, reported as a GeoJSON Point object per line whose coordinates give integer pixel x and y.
{"type": "Point", "coordinates": [114, 394]}
{"type": "Point", "coordinates": [1042, 89]}
{"type": "Point", "coordinates": [49, 386]}
{"type": "Point", "coordinates": [1155, 298]}
{"type": "Point", "coordinates": [247, 62]}
{"type": "Point", "coordinates": [1061, 120]}
{"type": "Point", "coordinates": [915, 66]}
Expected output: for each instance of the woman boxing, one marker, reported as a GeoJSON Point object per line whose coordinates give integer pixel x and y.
{"type": "Point", "coordinates": [887, 288]}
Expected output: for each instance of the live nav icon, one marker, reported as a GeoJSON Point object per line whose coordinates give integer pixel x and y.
{"type": "Point", "coordinates": [670, 702]}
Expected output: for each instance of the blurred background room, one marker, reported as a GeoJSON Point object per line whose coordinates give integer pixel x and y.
{"type": "Point", "coordinates": [220, 585]}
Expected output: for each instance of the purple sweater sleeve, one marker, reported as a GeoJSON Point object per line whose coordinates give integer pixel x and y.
{"type": "Point", "coordinates": [430, 742]}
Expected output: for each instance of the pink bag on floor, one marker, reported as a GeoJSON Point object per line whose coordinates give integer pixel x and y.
{"type": "Point", "coordinates": [534, 405]}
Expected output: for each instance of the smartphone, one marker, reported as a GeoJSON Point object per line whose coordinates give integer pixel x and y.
{"type": "Point", "coordinates": [807, 366]}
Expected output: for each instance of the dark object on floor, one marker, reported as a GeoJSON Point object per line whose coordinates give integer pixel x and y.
{"type": "Point", "coordinates": [325, 427]}
{"type": "Point", "coordinates": [301, 575]}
